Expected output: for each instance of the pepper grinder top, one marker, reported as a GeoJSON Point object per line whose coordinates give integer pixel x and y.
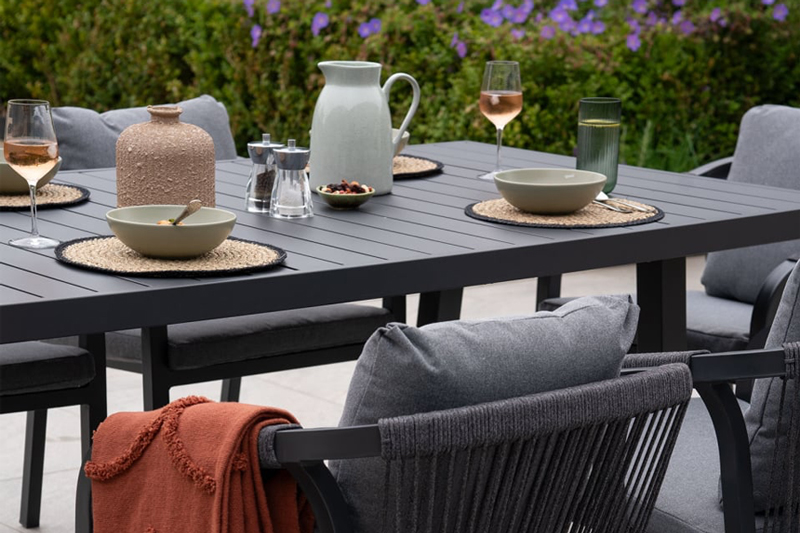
{"type": "Point", "coordinates": [292, 157]}
{"type": "Point", "coordinates": [260, 151]}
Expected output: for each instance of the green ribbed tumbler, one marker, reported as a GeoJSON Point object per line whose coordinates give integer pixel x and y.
{"type": "Point", "coordinates": [598, 137]}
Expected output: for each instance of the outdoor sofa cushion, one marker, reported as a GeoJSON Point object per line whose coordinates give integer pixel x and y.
{"type": "Point", "coordinates": [27, 367]}
{"type": "Point", "coordinates": [224, 340]}
{"type": "Point", "coordinates": [712, 323]}
{"type": "Point", "coordinates": [405, 370]}
{"type": "Point", "coordinates": [766, 154]}
{"type": "Point", "coordinates": [88, 139]}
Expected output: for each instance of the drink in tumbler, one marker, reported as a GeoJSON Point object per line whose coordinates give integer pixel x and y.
{"type": "Point", "coordinates": [598, 138]}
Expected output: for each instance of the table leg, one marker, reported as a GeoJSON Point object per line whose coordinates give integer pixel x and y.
{"type": "Point", "coordinates": [661, 294]}
{"type": "Point", "coordinates": [547, 287]}
{"type": "Point", "coordinates": [439, 306]}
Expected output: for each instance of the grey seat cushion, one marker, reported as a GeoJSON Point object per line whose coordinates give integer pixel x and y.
{"type": "Point", "coordinates": [211, 342]}
{"type": "Point", "coordinates": [762, 417]}
{"type": "Point", "coordinates": [713, 324]}
{"type": "Point", "coordinates": [766, 154]}
{"type": "Point", "coordinates": [689, 497]}
{"type": "Point", "coordinates": [87, 139]}
{"type": "Point", "coordinates": [716, 324]}
{"type": "Point", "coordinates": [405, 370]}
{"type": "Point", "coordinates": [27, 367]}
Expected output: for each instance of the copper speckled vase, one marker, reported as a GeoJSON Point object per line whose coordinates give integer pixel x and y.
{"type": "Point", "coordinates": [164, 161]}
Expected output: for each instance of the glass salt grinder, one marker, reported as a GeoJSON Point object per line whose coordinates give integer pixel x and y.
{"type": "Point", "coordinates": [262, 175]}
{"type": "Point", "coordinates": [291, 195]}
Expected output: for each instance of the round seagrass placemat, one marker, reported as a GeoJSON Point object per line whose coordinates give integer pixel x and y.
{"type": "Point", "coordinates": [108, 254]}
{"type": "Point", "coordinates": [49, 196]}
{"type": "Point", "coordinates": [410, 166]}
{"type": "Point", "coordinates": [591, 216]}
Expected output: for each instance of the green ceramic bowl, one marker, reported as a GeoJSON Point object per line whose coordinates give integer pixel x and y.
{"type": "Point", "coordinates": [344, 201]}
{"type": "Point", "coordinates": [549, 191]}
{"type": "Point", "coordinates": [137, 227]}
{"type": "Point", "coordinates": [13, 183]}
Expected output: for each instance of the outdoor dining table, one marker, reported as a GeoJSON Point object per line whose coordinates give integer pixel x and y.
{"type": "Point", "coordinates": [415, 240]}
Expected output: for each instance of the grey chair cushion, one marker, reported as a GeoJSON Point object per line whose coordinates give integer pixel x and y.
{"type": "Point", "coordinates": [713, 324]}
{"type": "Point", "coordinates": [766, 154]}
{"type": "Point", "coordinates": [762, 417]}
{"type": "Point", "coordinates": [27, 367]}
{"type": "Point", "coordinates": [211, 342]}
{"type": "Point", "coordinates": [87, 139]}
{"type": "Point", "coordinates": [716, 324]}
{"type": "Point", "coordinates": [689, 501]}
{"type": "Point", "coordinates": [405, 370]}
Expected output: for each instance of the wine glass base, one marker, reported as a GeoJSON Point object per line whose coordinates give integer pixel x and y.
{"type": "Point", "coordinates": [34, 243]}
{"type": "Point", "coordinates": [489, 176]}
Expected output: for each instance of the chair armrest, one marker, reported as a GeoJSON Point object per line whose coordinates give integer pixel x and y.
{"type": "Point", "coordinates": [633, 361]}
{"type": "Point", "coordinates": [715, 169]}
{"type": "Point", "coordinates": [767, 301]}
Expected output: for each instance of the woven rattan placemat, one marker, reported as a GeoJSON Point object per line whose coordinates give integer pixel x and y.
{"type": "Point", "coordinates": [591, 216]}
{"type": "Point", "coordinates": [49, 196]}
{"type": "Point", "coordinates": [108, 254]}
{"type": "Point", "coordinates": [410, 166]}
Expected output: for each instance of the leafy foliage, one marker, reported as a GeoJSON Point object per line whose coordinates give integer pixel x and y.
{"type": "Point", "coordinates": [683, 92]}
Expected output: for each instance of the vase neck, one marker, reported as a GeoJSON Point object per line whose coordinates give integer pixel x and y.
{"type": "Point", "coordinates": [164, 114]}
{"type": "Point", "coordinates": [351, 73]}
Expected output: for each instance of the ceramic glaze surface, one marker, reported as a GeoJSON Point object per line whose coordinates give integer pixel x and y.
{"type": "Point", "coordinates": [165, 161]}
{"type": "Point", "coordinates": [351, 132]}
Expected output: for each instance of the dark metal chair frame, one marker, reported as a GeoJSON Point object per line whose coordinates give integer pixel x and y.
{"type": "Point", "coordinates": [92, 399]}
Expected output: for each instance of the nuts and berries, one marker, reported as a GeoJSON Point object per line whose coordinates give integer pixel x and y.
{"type": "Point", "coordinates": [347, 188]}
{"type": "Point", "coordinates": [168, 222]}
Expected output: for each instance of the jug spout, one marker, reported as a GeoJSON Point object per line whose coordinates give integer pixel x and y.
{"type": "Point", "coordinates": [351, 73]}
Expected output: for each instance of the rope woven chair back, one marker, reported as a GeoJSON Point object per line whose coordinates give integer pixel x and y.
{"type": "Point", "coordinates": [588, 458]}
{"type": "Point", "coordinates": [783, 512]}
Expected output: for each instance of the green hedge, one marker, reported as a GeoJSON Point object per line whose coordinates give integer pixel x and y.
{"type": "Point", "coordinates": [683, 95]}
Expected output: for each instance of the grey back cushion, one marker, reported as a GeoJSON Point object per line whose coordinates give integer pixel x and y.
{"type": "Point", "coordinates": [88, 139]}
{"type": "Point", "coordinates": [761, 418]}
{"type": "Point", "coordinates": [405, 370]}
{"type": "Point", "coordinates": [767, 153]}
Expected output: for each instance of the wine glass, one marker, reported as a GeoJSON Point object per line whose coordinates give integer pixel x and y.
{"type": "Point", "coordinates": [31, 149]}
{"type": "Point", "coordinates": [501, 99]}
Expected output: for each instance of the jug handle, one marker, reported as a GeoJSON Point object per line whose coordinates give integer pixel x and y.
{"type": "Point", "coordinates": [387, 87]}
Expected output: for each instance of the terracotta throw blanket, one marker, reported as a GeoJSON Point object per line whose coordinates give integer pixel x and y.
{"type": "Point", "coordinates": [191, 466]}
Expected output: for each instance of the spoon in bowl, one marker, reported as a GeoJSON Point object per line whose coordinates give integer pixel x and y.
{"type": "Point", "coordinates": [190, 209]}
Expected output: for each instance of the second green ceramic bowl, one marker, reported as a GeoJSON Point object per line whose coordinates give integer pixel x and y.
{"type": "Point", "coordinates": [549, 191]}
{"type": "Point", "coordinates": [137, 227]}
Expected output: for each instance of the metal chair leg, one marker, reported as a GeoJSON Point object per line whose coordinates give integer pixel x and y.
{"type": "Point", "coordinates": [33, 468]}
{"type": "Point", "coordinates": [231, 389]}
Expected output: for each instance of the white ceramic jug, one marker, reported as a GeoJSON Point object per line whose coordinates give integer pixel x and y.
{"type": "Point", "coordinates": [351, 133]}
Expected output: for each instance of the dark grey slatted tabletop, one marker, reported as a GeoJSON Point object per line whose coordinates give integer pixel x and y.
{"type": "Point", "coordinates": [417, 239]}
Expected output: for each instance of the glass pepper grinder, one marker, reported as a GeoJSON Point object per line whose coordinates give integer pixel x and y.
{"type": "Point", "coordinates": [262, 175]}
{"type": "Point", "coordinates": [291, 195]}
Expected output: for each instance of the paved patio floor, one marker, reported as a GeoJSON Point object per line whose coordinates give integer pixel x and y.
{"type": "Point", "coordinates": [315, 395]}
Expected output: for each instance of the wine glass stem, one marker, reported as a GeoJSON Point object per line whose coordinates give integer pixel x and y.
{"type": "Point", "coordinates": [499, 144]}
{"type": "Point", "coordinates": [34, 227]}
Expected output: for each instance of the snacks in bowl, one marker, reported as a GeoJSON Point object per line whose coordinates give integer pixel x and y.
{"type": "Point", "coordinates": [346, 188]}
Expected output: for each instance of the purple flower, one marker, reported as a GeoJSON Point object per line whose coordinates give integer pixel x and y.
{"type": "Point", "coordinates": [591, 14]}
{"type": "Point", "coordinates": [633, 42]}
{"type": "Point", "coordinates": [585, 25]}
{"type": "Point", "coordinates": [519, 15]}
{"type": "Point", "coordinates": [548, 32]}
{"type": "Point", "coordinates": [558, 15]}
{"type": "Point", "coordinates": [678, 2]}
{"type": "Point", "coordinates": [255, 34]}
{"type": "Point", "coordinates": [687, 27]}
{"type": "Point", "coordinates": [677, 17]}
{"type": "Point", "coordinates": [779, 12]}
{"type": "Point", "coordinates": [461, 49]}
{"type": "Point", "coordinates": [508, 11]}
{"type": "Point", "coordinates": [328, 4]}
{"type": "Point", "coordinates": [248, 5]}
{"type": "Point", "coordinates": [423, 2]}
{"type": "Point", "coordinates": [539, 17]}
{"type": "Point", "coordinates": [273, 6]}
{"type": "Point", "coordinates": [767, 2]}
{"type": "Point", "coordinates": [634, 25]}
{"type": "Point", "coordinates": [598, 27]}
{"type": "Point", "coordinates": [492, 17]}
{"type": "Point", "coordinates": [364, 30]}
{"type": "Point", "coordinates": [640, 6]}
{"type": "Point", "coordinates": [517, 33]}
{"type": "Point", "coordinates": [568, 26]}
{"type": "Point", "coordinates": [454, 40]}
{"type": "Point", "coordinates": [652, 19]}
{"type": "Point", "coordinates": [374, 25]}
{"type": "Point", "coordinates": [460, 7]}
{"type": "Point", "coordinates": [715, 15]}
{"type": "Point", "coordinates": [569, 5]}
{"type": "Point", "coordinates": [320, 21]}
{"type": "Point", "coordinates": [600, 3]}
{"type": "Point", "coordinates": [497, 5]}
{"type": "Point", "coordinates": [527, 6]}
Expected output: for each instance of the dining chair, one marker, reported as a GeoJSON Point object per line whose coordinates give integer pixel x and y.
{"type": "Point", "coordinates": [742, 286]}
{"type": "Point", "coordinates": [227, 348]}
{"type": "Point", "coordinates": [35, 377]}
{"type": "Point", "coordinates": [736, 466]}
